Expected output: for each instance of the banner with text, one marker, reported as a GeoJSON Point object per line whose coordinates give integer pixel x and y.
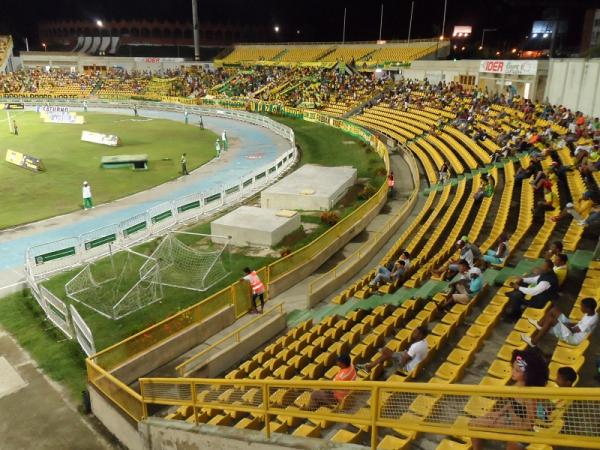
{"type": "Point", "coordinates": [25, 161]}
{"type": "Point", "coordinates": [508, 67]}
{"type": "Point", "coordinates": [99, 138]}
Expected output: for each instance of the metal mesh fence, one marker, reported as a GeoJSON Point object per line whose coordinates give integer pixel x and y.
{"type": "Point", "coordinates": [552, 416]}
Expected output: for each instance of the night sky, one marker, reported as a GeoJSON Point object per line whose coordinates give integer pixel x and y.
{"type": "Point", "coordinates": [317, 20]}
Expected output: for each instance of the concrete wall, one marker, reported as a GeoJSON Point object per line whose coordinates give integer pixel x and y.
{"type": "Point", "coordinates": [447, 71]}
{"type": "Point", "coordinates": [574, 83]}
{"type": "Point", "coordinates": [124, 429]}
{"type": "Point", "coordinates": [67, 60]}
{"type": "Point", "coordinates": [233, 354]}
{"type": "Point", "coordinates": [160, 434]}
{"type": "Point", "coordinates": [174, 347]}
{"type": "Point", "coordinates": [284, 282]}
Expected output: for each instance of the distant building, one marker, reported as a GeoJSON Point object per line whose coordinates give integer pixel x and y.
{"type": "Point", "coordinates": [590, 36]}
{"type": "Point", "coordinates": [149, 32]}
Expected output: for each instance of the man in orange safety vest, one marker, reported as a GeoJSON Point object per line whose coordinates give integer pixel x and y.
{"type": "Point", "coordinates": [258, 289]}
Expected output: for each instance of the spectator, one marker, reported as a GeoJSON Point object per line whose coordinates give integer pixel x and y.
{"type": "Point", "coordinates": [347, 372]}
{"type": "Point", "coordinates": [561, 268]}
{"type": "Point", "coordinates": [532, 169]}
{"type": "Point", "coordinates": [556, 248]}
{"type": "Point", "coordinates": [541, 288]}
{"type": "Point", "coordinates": [486, 189]}
{"type": "Point", "coordinates": [392, 273]}
{"type": "Point", "coordinates": [528, 369]}
{"type": "Point", "coordinates": [558, 324]}
{"type": "Point", "coordinates": [499, 255]}
{"type": "Point", "coordinates": [550, 202]}
{"type": "Point", "coordinates": [566, 377]}
{"type": "Point", "coordinates": [444, 173]}
{"type": "Point", "coordinates": [407, 360]}
{"type": "Point", "coordinates": [466, 254]}
{"type": "Point", "coordinates": [463, 290]}
{"type": "Point", "coordinates": [579, 211]}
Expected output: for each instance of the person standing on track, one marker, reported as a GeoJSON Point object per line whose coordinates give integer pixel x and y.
{"type": "Point", "coordinates": [87, 196]}
{"type": "Point", "coordinates": [184, 170]}
{"type": "Point", "coordinates": [225, 143]}
{"type": "Point", "coordinates": [258, 289]}
{"type": "Point", "coordinates": [15, 129]}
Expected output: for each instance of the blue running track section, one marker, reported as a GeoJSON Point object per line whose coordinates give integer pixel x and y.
{"type": "Point", "coordinates": [252, 140]}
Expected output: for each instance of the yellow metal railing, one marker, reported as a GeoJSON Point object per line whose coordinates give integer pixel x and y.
{"type": "Point", "coordinates": [499, 413]}
{"type": "Point", "coordinates": [238, 294]}
{"type": "Point", "coordinates": [192, 363]}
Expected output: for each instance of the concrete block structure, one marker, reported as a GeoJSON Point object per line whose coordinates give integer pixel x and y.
{"type": "Point", "coordinates": [249, 225]}
{"type": "Point", "coordinates": [310, 188]}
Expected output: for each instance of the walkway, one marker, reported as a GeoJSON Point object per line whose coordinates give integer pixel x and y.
{"type": "Point", "coordinates": [251, 147]}
{"type": "Point", "coordinates": [34, 413]}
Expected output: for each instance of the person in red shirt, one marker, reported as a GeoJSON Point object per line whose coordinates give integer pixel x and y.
{"type": "Point", "coordinates": [347, 372]}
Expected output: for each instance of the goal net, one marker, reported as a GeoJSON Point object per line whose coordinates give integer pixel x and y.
{"type": "Point", "coordinates": [188, 260]}
{"type": "Point", "coordinates": [115, 286]}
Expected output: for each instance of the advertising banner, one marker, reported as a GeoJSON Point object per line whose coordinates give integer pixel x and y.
{"type": "Point", "coordinates": [25, 161]}
{"type": "Point", "coordinates": [12, 106]}
{"type": "Point", "coordinates": [99, 138]}
{"type": "Point", "coordinates": [62, 117]}
{"type": "Point", "coordinates": [509, 67]}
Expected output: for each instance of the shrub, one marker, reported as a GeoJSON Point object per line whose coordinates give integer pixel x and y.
{"type": "Point", "coordinates": [330, 217]}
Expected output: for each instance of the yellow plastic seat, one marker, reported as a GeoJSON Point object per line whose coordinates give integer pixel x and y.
{"type": "Point", "coordinates": [460, 357]}
{"type": "Point", "coordinates": [390, 442]}
{"type": "Point", "coordinates": [307, 430]}
{"type": "Point", "coordinates": [423, 405]}
{"type": "Point", "coordinates": [450, 372]}
{"type": "Point", "coordinates": [468, 343]}
{"type": "Point", "coordinates": [500, 369]}
{"type": "Point", "coordinates": [447, 444]}
{"type": "Point", "coordinates": [576, 366]}
{"type": "Point", "coordinates": [348, 437]}
{"type": "Point", "coordinates": [493, 381]}
{"type": "Point", "coordinates": [479, 406]}
{"type": "Point", "coordinates": [568, 356]}
{"type": "Point", "coordinates": [506, 351]}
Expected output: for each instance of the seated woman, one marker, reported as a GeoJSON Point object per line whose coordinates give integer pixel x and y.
{"type": "Point", "coordinates": [347, 372]}
{"type": "Point", "coordinates": [528, 369]}
{"type": "Point", "coordinates": [499, 255]}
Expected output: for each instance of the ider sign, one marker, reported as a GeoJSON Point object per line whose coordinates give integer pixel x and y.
{"type": "Point", "coordinates": [509, 66]}
{"type": "Point", "coordinates": [493, 66]}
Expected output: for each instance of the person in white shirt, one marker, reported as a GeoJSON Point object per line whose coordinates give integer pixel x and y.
{"type": "Point", "coordinates": [556, 322]}
{"type": "Point", "coordinates": [87, 196]}
{"type": "Point", "coordinates": [407, 360]}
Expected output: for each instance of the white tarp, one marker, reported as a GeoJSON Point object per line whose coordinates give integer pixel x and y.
{"type": "Point", "coordinates": [99, 138]}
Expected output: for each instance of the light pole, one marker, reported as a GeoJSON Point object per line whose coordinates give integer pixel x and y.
{"type": "Point", "coordinates": [483, 36]}
{"type": "Point", "coordinates": [344, 28]}
{"type": "Point", "coordinates": [196, 30]}
{"type": "Point", "coordinates": [444, 19]}
{"type": "Point", "coordinates": [412, 8]}
{"type": "Point", "coordinates": [381, 22]}
{"type": "Point", "coordinates": [44, 45]}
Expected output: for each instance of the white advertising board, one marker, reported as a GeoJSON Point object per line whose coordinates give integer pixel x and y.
{"type": "Point", "coordinates": [99, 138]}
{"type": "Point", "coordinates": [61, 117]}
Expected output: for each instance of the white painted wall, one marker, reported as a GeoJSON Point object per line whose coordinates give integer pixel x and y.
{"type": "Point", "coordinates": [574, 83]}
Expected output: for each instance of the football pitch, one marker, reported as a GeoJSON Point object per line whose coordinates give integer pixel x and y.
{"type": "Point", "coordinates": [28, 196]}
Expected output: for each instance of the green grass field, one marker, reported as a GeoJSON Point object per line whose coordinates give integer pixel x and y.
{"type": "Point", "coordinates": [20, 315]}
{"type": "Point", "coordinates": [28, 196]}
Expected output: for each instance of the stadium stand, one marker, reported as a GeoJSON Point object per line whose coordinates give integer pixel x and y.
{"type": "Point", "coordinates": [5, 48]}
{"type": "Point", "coordinates": [507, 149]}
